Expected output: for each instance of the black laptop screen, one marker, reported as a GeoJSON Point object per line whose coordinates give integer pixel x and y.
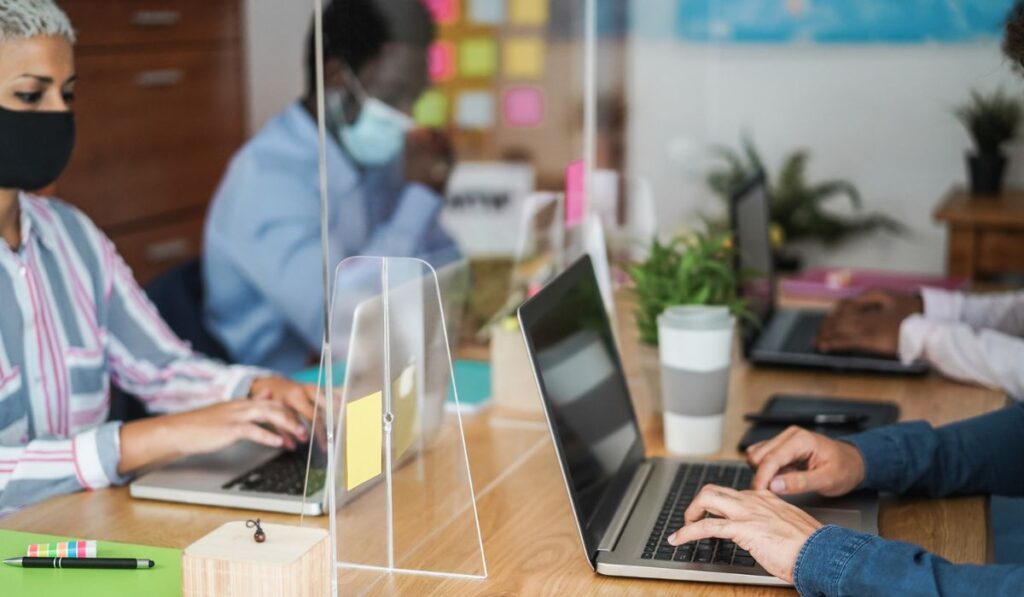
{"type": "Point", "coordinates": [585, 395]}
{"type": "Point", "coordinates": [751, 222]}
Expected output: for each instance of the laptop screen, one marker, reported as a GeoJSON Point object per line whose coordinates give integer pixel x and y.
{"type": "Point", "coordinates": [585, 394]}
{"type": "Point", "coordinates": [751, 221]}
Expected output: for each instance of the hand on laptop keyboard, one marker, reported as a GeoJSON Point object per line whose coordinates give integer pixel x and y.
{"type": "Point", "coordinates": [759, 522]}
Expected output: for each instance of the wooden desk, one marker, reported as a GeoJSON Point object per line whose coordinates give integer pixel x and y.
{"type": "Point", "coordinates": [530, 538]}
{"type": "Point", "coordinates": [986, 234]}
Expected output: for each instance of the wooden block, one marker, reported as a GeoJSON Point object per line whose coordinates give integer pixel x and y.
{"type": "Point", "coordinates": [294, 561]}
{"type": "Point", "coordinates": [512, 382]}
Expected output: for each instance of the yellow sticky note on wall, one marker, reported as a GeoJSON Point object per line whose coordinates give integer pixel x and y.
{"type": "Point", "coordinates": [363, 440]}
{"type": "Point", "coordinates": [405, 400]}
{"type": "Point", "coordinates": [524, 58]}
{"type": "Point", "coordinates": [529, 12]}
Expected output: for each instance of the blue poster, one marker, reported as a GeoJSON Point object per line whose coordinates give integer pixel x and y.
{"type": "Point", "coordinates": [840, 21]}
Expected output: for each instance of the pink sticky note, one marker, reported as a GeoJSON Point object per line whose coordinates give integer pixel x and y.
{"type": "Point", "coordinates": [523, 106]}
{"type": "Point", "coordinates": [441, 61]}
{"type": "Point", "coordinates": [575, 193]}
{"type": "Point", "coordinates": [445, 12]}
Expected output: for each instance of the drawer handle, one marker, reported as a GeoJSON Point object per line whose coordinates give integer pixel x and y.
{"type": "Point", "coordinates": [168, 77]}
{"type": "Point", "coordinates": [156, 18]}
{"type": "Point", "coordinates": [168, 250]}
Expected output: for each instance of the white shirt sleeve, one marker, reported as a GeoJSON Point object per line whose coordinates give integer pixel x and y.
{"type": "Point", "coordinates": [1003, 312]}
{"type": "Point", "coordinates": [966, 352]}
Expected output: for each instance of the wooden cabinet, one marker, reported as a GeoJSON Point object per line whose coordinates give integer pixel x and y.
{"type": "Point", "coordinates": [159, 110]}
{"type": "Point", "coordinates": [986, 234]}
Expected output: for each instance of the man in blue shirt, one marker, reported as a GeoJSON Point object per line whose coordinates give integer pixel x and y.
{"type": "Point", "coordinates": [262, 260]}
{"type": "Point", "coordinates": [984, 455]}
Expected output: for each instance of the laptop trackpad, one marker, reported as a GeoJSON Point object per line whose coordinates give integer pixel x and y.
{"type": "Point", "coordinates": [850, 519]}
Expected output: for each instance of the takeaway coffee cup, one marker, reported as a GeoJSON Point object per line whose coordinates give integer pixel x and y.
{"type": "Point", "coordinates": [695, 346]}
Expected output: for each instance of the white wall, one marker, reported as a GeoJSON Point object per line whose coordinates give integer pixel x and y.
{"type": "Point", "coordinates": [275, 42]}
{"type": "Point", "coordinates": [879, 116]}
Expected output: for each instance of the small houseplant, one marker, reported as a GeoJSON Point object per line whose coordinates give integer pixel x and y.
{"type": "Point", "coordinates": [696, 269]}
{"type": "Point", "coordinates": [797, 205]}
{"type": "Point", "coordinates": [992, 121]}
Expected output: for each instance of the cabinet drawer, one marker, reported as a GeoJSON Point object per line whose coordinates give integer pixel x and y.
{"type": "Point", "coordinates": [155, 132]}
{"type": "Point", "coordinates": [1000, 251]}
{"type": "Point", "coordinates": [152, 251]}
{"type": "Point", "coordinates": [101, 23]}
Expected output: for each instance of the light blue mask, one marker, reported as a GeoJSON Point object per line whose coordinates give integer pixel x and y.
{"type": "Point", "coordinates": [377, 136]}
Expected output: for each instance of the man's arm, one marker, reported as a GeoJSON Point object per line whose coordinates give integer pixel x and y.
{"type": "Point", "coordinates": [406, 233]}
{"type": "Point", "coordinates": [977, 456]}
{"type": "Point", "coordinates": [984, 357]}
{"type": "Point", "coordinates": [1003, 312]}
{"type": "Point", "coordinates": [838, 561]}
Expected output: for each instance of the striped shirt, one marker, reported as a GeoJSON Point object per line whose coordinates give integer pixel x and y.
{"type": "Point", "coordinates": [73, 320]}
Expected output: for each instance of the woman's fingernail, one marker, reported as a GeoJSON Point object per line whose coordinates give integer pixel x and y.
{"type": "Point", "coordinates": [672, 539]}
{"type": "Point", "coordinates": [777, 485]}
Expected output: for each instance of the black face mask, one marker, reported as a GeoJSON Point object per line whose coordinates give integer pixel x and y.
{"type": "Point", "coordinates": [34, 148]}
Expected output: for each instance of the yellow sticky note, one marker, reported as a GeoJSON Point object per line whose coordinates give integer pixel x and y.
{"type": "Point", "coordinates": [524, 58]}
{"type": "Point", "coordinates": [406, 410]}
{"type": "Point", "coordinates": [529, 12]}
{"type": "Point", "coordinates": [363, 440]}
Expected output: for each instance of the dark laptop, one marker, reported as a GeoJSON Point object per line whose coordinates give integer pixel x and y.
{"type": "Point", "coordinates": [626, 504]}
{"type": "Point", "coordinates": [783, 336]}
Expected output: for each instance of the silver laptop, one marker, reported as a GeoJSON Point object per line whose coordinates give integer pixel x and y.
{"type": "Point", "coordinates": [254, 477]}
{"type": "Point", "coordinates": [784, 336]}
{"type": "Point", "coordinates": [626, 505]}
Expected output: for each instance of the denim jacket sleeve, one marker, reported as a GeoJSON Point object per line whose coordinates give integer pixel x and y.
{"type": "Point", "coordinates": [982, 455]}
{"type": "Point", "coordinates": [839, 562]}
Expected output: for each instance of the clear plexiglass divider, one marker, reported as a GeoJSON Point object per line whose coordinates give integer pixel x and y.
{"type": "Point", "coordinates": [395, 457]}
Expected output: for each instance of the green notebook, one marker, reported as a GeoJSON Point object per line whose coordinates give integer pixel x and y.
{"type": "Point", "coordinates": [163, 580]}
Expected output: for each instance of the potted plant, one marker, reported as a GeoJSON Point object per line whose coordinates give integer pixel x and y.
{"type": "Point", "coordinates": [696, 269]}
{"type": "Point", "coordinates": [797, 205]}
{"type": "Point", "coordinates": [992, 121]}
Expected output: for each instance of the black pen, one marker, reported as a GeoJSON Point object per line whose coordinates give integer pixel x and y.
{"type": "Point", "coordinates": [65, 563]}
{"type": "Point", "coordinates": [818, 420]}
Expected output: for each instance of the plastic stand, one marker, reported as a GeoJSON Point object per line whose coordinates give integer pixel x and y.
{"type": "Point", "coordinates": [395, 463]}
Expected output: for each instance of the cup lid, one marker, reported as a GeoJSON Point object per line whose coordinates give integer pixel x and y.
{"type": "Point", "coordinates": [696, 317]}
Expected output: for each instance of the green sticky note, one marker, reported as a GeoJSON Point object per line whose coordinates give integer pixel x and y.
{"type": "Point", "coordinates": [478, 57]}
{"type": "Point", "coordinates": [163, 580]}
{"type": "Point", "coordinates": [432, 109]}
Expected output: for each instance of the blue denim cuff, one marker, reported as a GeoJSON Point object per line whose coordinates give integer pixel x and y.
{"type": "Point", "coordinates": [885, 461]}
{"type": "Point", "coordinates": [824, 558]}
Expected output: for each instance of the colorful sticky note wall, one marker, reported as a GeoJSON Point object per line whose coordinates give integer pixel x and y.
{"type": "Point", "coordinates": [445, 12]}
{"type": "Point", "coordinates": [478, 57]}
{"type": "Point", "coordinates": [523, 106]}
{"type": "Point", "coordinates": [363, 440]}
{"type": "Point", "coordinates": [528, 12]}
{"type": "Point", "coordinates": [524, 57]}
{"type": "Point", "coordinates": [431, 110]}
{"type": "Point", "coordinates": [486, 12]}
{"type": "Point", "coordinates": [441, 61]}
{"type": "Point", "coordinates": [475, 110]}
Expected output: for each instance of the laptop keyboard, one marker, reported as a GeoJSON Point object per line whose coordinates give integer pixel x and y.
{"type": "Point", "coordinates": [285, 474]}
{"type": "Point", "coordinates": [688, 481]}
{"type": "Point", "coordinates": [804, 335]}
